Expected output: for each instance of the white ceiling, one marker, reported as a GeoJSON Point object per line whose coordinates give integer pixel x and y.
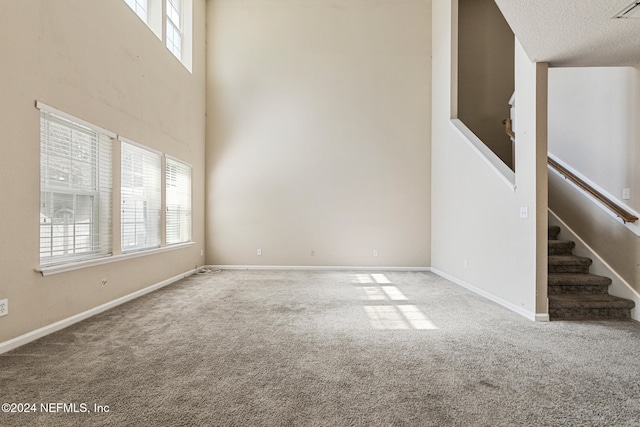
{"type": "Point", "coordinates": [574, 33]}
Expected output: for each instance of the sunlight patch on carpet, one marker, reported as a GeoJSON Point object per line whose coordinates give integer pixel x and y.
{"type": "Point", "coordinates": [385, 317]}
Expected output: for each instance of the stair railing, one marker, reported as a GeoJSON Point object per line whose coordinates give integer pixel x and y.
{"type": "Point", "coordinates": [618, 210]}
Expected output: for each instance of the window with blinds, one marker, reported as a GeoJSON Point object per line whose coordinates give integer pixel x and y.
{"type": "Point", "coordinates": [178, 200]}
{"type": "Point", "coordinates": [75, 189]}
{"type": "Point", "coordinates": [174, 27]}
{"type": "Point", "coordinates": [140, 196]}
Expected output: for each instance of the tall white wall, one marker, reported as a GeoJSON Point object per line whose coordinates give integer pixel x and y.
{"type": "Point", "coordinates": [594, 129]}
{"type": "Point", "coordinates": [318, 132]}
{"type": "Point", "coordinates": [478, 238]}
{"type": "Point", "coordinates": [97, 61]}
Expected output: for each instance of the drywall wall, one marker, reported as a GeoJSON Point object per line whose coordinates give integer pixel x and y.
{"type": "Point", "coordinates": [97, 61]}
{"type": "Point", "coordinates": [593, 125]}
{"type": "Point", "coordinates": [478, 237]}
{"type": "Point", "coordinates": [318, 133]}
{"type": "Point", "coordinates": [593, 128]}
{"type": "Point", "coordinates": [485, 73]}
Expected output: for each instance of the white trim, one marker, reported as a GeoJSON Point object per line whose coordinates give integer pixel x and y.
{"type": "Point", "coordinates": [506, 304]}
{"type": "Point", "coordinates": [63, 268]}
{"type": "Point", "coordinates": [542, 318]}
{"type": "Point", "coordinates": [499, 167]}
{"type": "Point", "coordinates": [315, 268]}
{"type": "Point", "coordinates": [175, 159]}
{"type": "Point", "coordinates": [634, 227]}
{"type": "Point", "coordinates": [138, 145]}
{"type": "Point", "coordinates": [619, 286]}
{"type": "Point", "coordinates": [44, 107]}
{"type": "Point", "coordinates": [54, 327]}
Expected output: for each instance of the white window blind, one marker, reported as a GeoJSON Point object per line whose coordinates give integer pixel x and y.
{"type": "Point", "coordinates": [140, 7]}
{"type": "Point", "coordinates": [75, 190]}
{"type": "Point", "coordinates": [174, 27]}
{"type": "Point", "coordinates": [140, 197]}
{"type": "Point", "coordinates": [178, 199]}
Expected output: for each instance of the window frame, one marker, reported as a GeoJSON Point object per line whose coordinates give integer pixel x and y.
{"type": "Point", "coordinates": [167, 227]}
{"type": "Point", "coordinates": [100, 190]}
{"type": "Point", "coordinates": [150, 212]}
{"type": "Point", "coordinates": [137, 5]}
{"type": "Point", "coordinates": [176, 27]}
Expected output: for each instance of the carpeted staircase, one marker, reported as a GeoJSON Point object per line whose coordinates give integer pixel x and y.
{"type": "Point", "coordinates": [574, 293]}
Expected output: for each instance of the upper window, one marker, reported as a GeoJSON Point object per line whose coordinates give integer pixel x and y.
{"type": "Point", "coordinates": [174, 27]}
{"type": "Point", "coordinates": [178, 199]}
{"type": "Point", "coordinates": [75, 189]}
{"type": "Point", "coordinates": [140, 7]}
{"type": "Point", "coordinates": [172, 22]}
{"type": "Point", "coordinates": [140, 197]}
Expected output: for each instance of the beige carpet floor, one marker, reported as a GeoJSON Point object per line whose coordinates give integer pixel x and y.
{"type": "Point", "coordinates": [289, 348]}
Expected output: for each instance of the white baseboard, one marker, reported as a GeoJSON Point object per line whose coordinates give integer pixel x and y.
{"type": "Point", "coordinates": [49, 329]}
{"type": "Point", "coordinates": [315, 268]}
{"type": "Point", "coordinates": [506, 304]}
{"type": "Point", "coordinates": [619, 286]}
{"type": "Point", "coordinates": [542, 318]}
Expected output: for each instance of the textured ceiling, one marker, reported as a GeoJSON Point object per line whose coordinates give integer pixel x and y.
{"type": "Point", "coordinates": [574, 33]}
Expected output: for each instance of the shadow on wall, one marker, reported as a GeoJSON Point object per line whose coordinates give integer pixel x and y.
{"type": "Point", "coordinates": [485, 74]}
{"type": "Point", "coordinates": [593, 129]}
{"type": "Point", "coordinates": [610, 239]}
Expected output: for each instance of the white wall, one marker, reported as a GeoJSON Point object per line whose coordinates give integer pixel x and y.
{"type": "Point", "coordinates": [478, 238]}
{"type": "Point", "coordinates": [594, 129]}
{"type": "Point", "coordinates": [97, 61]}
{"type": "Point", "coordinates": [318, 132]}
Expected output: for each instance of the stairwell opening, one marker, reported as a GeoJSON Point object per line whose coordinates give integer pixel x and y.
{"type": "Point", "coordinates": [486, 70]}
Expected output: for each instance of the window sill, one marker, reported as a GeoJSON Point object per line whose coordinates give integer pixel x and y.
{"type": "Point", "coordinates": [62, 268]}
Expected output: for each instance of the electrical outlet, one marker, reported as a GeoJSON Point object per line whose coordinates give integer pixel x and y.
{"type": "Point", "coordinates": [375, 252]}
{"type": "Point", "coordinates": [201, 252]}
{"type": "Point", "coordinates": [103, 282]}
{"type": "Point", "coordinates": [4, 307]}
{"type": "Point", "coordinates": [259, 252]}
{"type": "Point", "coordinates": [626, 194]}
{"type": "Point", "coordinates": [465, 264]}
{"type": "Point", "coordinates": [524, 212]}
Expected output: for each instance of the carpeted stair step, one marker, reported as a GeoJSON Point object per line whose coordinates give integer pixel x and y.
{"type": "Point", "coordinates": [577, 283]}
{"type": "Point", "coordinates": [554, 230]}
{"type": "Point", "coordinates": [568, 264]}
{"type": "Point", "coordinates": [561, 247]}
{"type": "Point", "coordinates": [594, 306]}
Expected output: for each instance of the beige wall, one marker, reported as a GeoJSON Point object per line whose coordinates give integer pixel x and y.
{"type": "Point", "coordinates": [318, 132]}
{"type": "Point", "coordinates": [97, 61]}
{"type": "Point", "coordinates": [478, 238]}
{"type": "Point", "coordinates": [593, 128]}
{"type": "Point", "coordinates": [485, 73]}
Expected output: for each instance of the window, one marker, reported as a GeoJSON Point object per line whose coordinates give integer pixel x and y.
{"type": "Point", "coordinates": [178, 199]}
{"type": "Point", "coordinates": [140, 7]}
{"type": "Point", "coordinates": [172, 22]}
{"type": "Point", "coordinates": [140, 197]}
{"type": "Point", "coordinates": [174, 27]}
{"type": "Point", "coordinates": [75, 188]}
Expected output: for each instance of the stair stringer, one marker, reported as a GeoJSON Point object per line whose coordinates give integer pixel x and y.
{"type": "Point", "coordinates": [619, 287]}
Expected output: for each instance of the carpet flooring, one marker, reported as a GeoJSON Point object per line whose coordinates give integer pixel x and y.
{"type": "Point", "coordinates": [291, 348]}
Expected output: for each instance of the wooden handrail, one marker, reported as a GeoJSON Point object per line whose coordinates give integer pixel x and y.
{"type": "Point", "coordinates": [612, 206]}
{"type": "Point", "coordinates": [508, 129]}
{"type": "Point", "coordinates": [620, 212]}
